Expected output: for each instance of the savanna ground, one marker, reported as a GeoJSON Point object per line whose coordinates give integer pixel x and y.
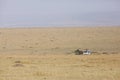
{"type": "Point", "coordinates": [47, 54]}
{"type": "Point", "coordinates": [60, 67]}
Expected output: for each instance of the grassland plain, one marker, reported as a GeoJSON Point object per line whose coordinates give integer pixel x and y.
{"type": "Point", "coordinates": [59, 40]}
{"type": "Point", "coordinates": [59, 67]}
{"type": "Point", "coordinates": [47, 53]}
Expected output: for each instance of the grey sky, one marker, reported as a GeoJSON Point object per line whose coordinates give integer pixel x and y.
{"type": "Point", "coordinates": [59, 12]}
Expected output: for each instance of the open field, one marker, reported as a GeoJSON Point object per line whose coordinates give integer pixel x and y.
{"type": "Point", "coordinates": [47, 53]}
{"type": "Point", "coordinates": [59, 40]}
{"type": "Point", "coordinates": [59, 67]}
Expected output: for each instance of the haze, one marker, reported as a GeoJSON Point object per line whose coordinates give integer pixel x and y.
{"type": "Point", "coordinates": [24, 13]}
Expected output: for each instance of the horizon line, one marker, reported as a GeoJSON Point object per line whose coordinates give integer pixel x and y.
{"type": "Point", "coordinates": [57, 26]}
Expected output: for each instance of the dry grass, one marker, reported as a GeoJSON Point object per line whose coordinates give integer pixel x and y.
{"type": "Point", "coordinates": [60, 67]}
{"type": "Point", "coordinates": [59, 40]}
{"type": "Point", "coordinates": [45, 54]}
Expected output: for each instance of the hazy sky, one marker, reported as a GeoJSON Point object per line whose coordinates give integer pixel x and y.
{"type": "Point", "coordinates": [59, 12]}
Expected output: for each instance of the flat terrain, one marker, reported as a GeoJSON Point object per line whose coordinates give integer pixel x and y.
{"type": "Point", "coordinates": [59, 40]}
{"type": "Point", "coordinates": [48, 53]}
{"type": "Point", "coordinates": [60, 67]}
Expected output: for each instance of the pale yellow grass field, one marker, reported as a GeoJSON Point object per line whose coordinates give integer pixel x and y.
{"type": "Point", "coordinates": [47, 54]}
{"type": "Point", "coordinates": [59, 40]}
{"type": "Point", "coordinates": [59, 67]}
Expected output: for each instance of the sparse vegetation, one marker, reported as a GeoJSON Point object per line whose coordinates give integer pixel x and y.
{"type": "Point", "coordinates": [17, 61]}
{"type": "Point", "coordinates": [18, 65]}
{"type": "Point", "coordinates": [96, 39]}
{"type": "Point", "coordinates": [59, 67]}
{"type": "Point", "coordinates": [47, 54]}
{"type": "Point", "coordinates": [78, 52]}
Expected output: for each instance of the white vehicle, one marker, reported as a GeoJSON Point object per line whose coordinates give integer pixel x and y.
{"type": "Point", "coordinates": [87, 52]}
